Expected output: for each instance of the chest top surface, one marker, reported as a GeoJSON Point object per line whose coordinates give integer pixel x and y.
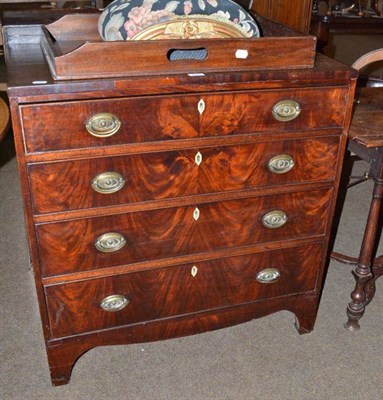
{"type": "Point", "coordinates": [29, 77]}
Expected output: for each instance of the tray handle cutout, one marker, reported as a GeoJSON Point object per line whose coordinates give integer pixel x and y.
{"type": "Point", "coordinates": [199, 54]}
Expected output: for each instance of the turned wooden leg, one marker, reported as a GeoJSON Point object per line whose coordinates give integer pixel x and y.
{"type": "Point", "coordinates": [365, 282]}
{"type": "Point", "coordinates": [330, 5]}
{"type": "Point", "coordinates": [377, 271]}
{"type": "Point", "coordinates": [375, 6]}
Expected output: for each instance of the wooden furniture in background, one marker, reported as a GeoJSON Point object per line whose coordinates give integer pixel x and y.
{"type": "Point", "coordinates": [295, 14]}
{"type": "Point", "coordinates": [356, 7]}
{"type": "Point", "coordinates": [43, 11]}
{"type": "Point", "coordinates": [300, 16]}
{"type": "Point", "coordinates": [322, 26]}
{"type": "Point", "coordinates": [366, 141]}
{"type": "Point", "coordinates": [171, 204]}
{"type": "Point", "coordinates": [56, 3]}
{"type": "Point", "coordinates": [4, 119]}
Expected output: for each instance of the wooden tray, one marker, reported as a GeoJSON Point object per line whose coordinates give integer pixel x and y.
{"type": "Point", "coordinates": [74, 50]}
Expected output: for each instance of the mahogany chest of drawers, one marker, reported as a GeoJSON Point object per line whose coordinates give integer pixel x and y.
{"type": "Point", "coordinates": [169, 205]}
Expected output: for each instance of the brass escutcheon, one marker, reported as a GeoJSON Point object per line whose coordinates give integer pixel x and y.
{"type": "Point", "coordinates": [110, 242]}
{"type": "Point", "coordinates": [286, 110]}
{"type": "Point", "coordinates": [268, 275]}
{"type": "Point", "coordinates": [280, 164]}
{"type": "Point", "coordinates": [108, 182]}
{"type": "Point", "coordinates": [113, 303]}
{"type": "Point", "coordinates": [274, 219]}
{"type": "Point", "coordinates": [103, 125]}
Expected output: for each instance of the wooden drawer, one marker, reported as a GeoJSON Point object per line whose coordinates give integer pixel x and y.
{"type": "Point", "coordinates": [66, 247]}
{"type": "Point", "coordinates": [59, 126]}
{"type": "Point", "coordinates": [62, 186]}
{"type": "Point", "coordinates": [75, 307]}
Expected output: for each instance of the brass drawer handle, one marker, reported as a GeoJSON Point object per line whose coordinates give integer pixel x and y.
{"type": "Point", "coordinates": [274, 219]}
{"type": "Point", "coordinates": [280, 164]}
{"type": "Point", "coordinates": [113, 303]}
{"type": "Point", "coordinates": [268, 275]}
{"type": "Point", "coordinates": [108, 182]}
{"type": "Point", "coordinates": [103, 125]}
{"type": "Point", "coordinates": [286, 110]}
{"type": "Point", "coordinates": [110, 242]}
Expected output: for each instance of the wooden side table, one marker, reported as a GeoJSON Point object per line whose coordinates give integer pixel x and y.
{"type": "Point", "coordinates": [366, 141]}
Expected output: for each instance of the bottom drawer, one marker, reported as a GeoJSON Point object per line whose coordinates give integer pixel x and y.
{"type": "Point", "coordinates": [101, 303]}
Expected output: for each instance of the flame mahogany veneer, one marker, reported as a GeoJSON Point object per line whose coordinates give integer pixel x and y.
{"type": "Point", "coordinates": [192, 248]}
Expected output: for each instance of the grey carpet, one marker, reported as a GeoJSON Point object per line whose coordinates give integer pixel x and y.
{"type": "Point", "coordinates": [264, 359]}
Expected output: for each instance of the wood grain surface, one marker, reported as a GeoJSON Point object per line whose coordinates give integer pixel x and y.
{"type": "Point", "coordinates": [66, 247]}
{"type": "Point", "coordinates": [62, 186]}
{"type": "Point", "coordinates": [64, 352]}
{"type": "Point", "coordinates": [294, 51]}
{"type": "Point", "coordinates": [75, 307]}
{"type": "Point", "coordinates": [366, 128]}
{"type": "Point", "coordinates": [59, 126]}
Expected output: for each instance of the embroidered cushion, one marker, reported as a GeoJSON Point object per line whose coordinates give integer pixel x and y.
{"type": "Point", "coordinates": [175, 19]}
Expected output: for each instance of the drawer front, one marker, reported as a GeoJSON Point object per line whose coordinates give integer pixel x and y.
{"type": "Point", "coordinates": [75, 185]}
{"type": "Point", "coordinates": [133, 237]}
{"type": "Point", "coordinates": [59, 126]}
{"type": "Point", "coordinates": [142, 296]}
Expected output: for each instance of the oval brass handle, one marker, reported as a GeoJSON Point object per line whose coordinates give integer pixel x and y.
{"type": "Point", "coordinates": [113, 303]}
{"type": "Point", "coordinates": [110, 242]}
{"type": "Point", "coordinates": [280, 164]}
{"type": "Point", "coordinates": [268, 275]}
{"type": "Point", "coordinates": [274, 219]}
{"type": "Point", "coordinates": [103, 125]}
{"type": "Point", "coordinates": [108, 182]}
{"type": "Point", "coordinates": [286, 110]}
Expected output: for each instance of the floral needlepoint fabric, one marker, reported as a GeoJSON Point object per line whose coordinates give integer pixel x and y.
{"type": "Point", "coordinates": [161, 19]}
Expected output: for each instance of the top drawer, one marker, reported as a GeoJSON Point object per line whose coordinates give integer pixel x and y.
{"type": "Point", "coordinates": [95, 123]}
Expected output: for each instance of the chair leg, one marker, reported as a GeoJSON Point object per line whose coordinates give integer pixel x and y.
{"type": "Point", "coordinates": [365, 280]}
